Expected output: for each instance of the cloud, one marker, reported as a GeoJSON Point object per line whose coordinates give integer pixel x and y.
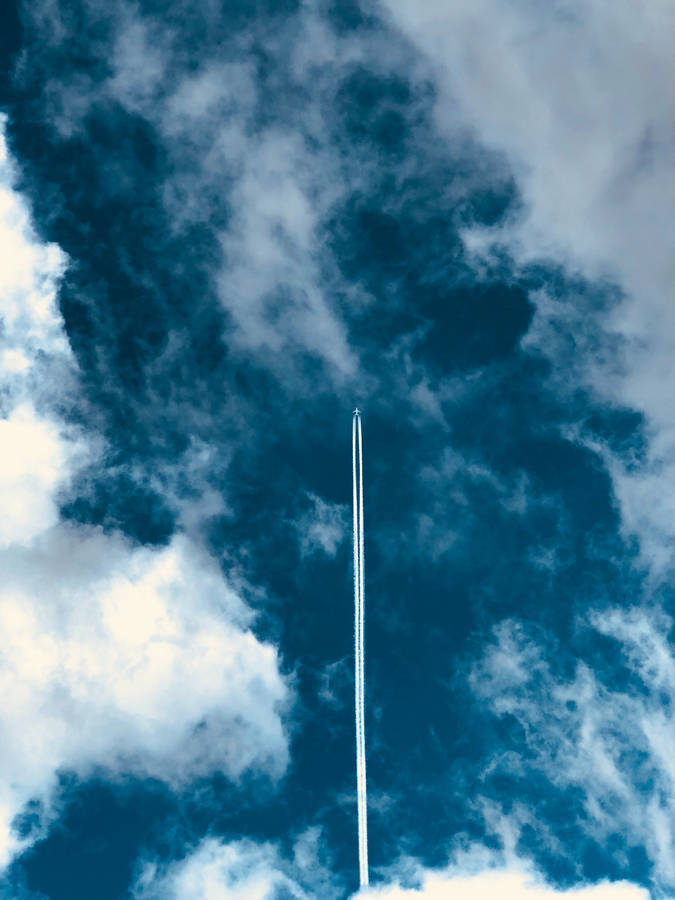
{"type": "Point", "coordinates": [646, 497]}
{"type": "Point", "coordinates": [38, 451]}
{"type": "Point", "coordinates": [259, 184]}
{"type": "Point", "coordinates": [322, 528]}
{"type": "Point", "coordinates": [33, 458]}
{"type": "Point", "coordinates": [335, 683]}
{"type": "Point", "coordinates": [29, 274]}
{"type": "Point", "coordinates": [271, 283]}
{"type": "Point", "coordinates": [603, 730]}
{"type": "Point", "coordinates": [257, 181]}
{"type": "Point", "coordinates": [575, 97]}
{"type": "Point", "coordinates": [586, 147]}
{"type": "Point", "coordinates": [129, 659]}
{"type": "Point", "coordinates": [294, 190]}
{"type": "Point", "coordinates": [242, 870]}
{"type": "Point", "coordinates": [505, 884]}
{"type": "Point", "coordinates": [115, 657]}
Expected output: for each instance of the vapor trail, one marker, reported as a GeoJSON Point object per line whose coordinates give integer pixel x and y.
{"type": "Point", "coordinates": [359, 651]}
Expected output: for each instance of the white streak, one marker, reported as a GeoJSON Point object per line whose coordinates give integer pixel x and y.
{"type": "Point", "coordinates": [359, 602]}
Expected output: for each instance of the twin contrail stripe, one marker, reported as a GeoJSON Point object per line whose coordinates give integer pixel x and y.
{"type": "Point", "coordinates": [359, 654]}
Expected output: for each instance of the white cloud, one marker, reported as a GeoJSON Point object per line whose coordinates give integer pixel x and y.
{"type": "Point", "coordinates": [271, 283]}
{"type": "Point", "coordinates": [609, 738]}
{"type": "Point", "coordinates": [576, 95]}
{"type": "Point", "coordinates": [270, 279]}
{"type": "Point", "coordinates": [38, 452]}
{"type": "Point", "coordinates": [645, 494]}
{"type": "Point", "coordinates": [242, 870]}
{"type": "Point", "coordinates": [116, 657]}
{"type": "Point", "coordinates": [29, 274]}
{"type": "Point", "coordinates": [131, 659]}
{"type": "Point", "coordinates": [586, 147]}
{"type": "Point", "coordinates": [502, 883]}
{"type": "Point", "coordinates": [32, 459]}
{"type": "Point", "coordinates": [323, 527]}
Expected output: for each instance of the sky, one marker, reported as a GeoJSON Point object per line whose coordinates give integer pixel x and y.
{"type": "Point", "coordinates": [223, 225]}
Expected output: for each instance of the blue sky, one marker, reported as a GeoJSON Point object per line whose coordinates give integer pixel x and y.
{"type": "Point", "coordinates": [224, 225]}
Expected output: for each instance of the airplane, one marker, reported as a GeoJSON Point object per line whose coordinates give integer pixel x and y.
{"type": "Point", "coordinates": [356, 411]}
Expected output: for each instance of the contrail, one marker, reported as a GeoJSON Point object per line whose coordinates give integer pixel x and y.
{"type": "Point", "coordinates": [359, 654]}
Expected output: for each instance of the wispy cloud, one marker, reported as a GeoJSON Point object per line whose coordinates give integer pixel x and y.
{"type": "Point", "coordinates": [602, 730]}
{"type": "Point", "coordinates": [322, 528]}
{"type": "Point", "coordinates": [261, 185]}
{"type": "Point", "coordinates": [244, 869]}
{"type": "Point", "coordinates": [591, 155]}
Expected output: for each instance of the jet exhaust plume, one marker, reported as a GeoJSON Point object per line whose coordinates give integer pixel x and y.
{"type": "Point", "coordinates": [359, 650]}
